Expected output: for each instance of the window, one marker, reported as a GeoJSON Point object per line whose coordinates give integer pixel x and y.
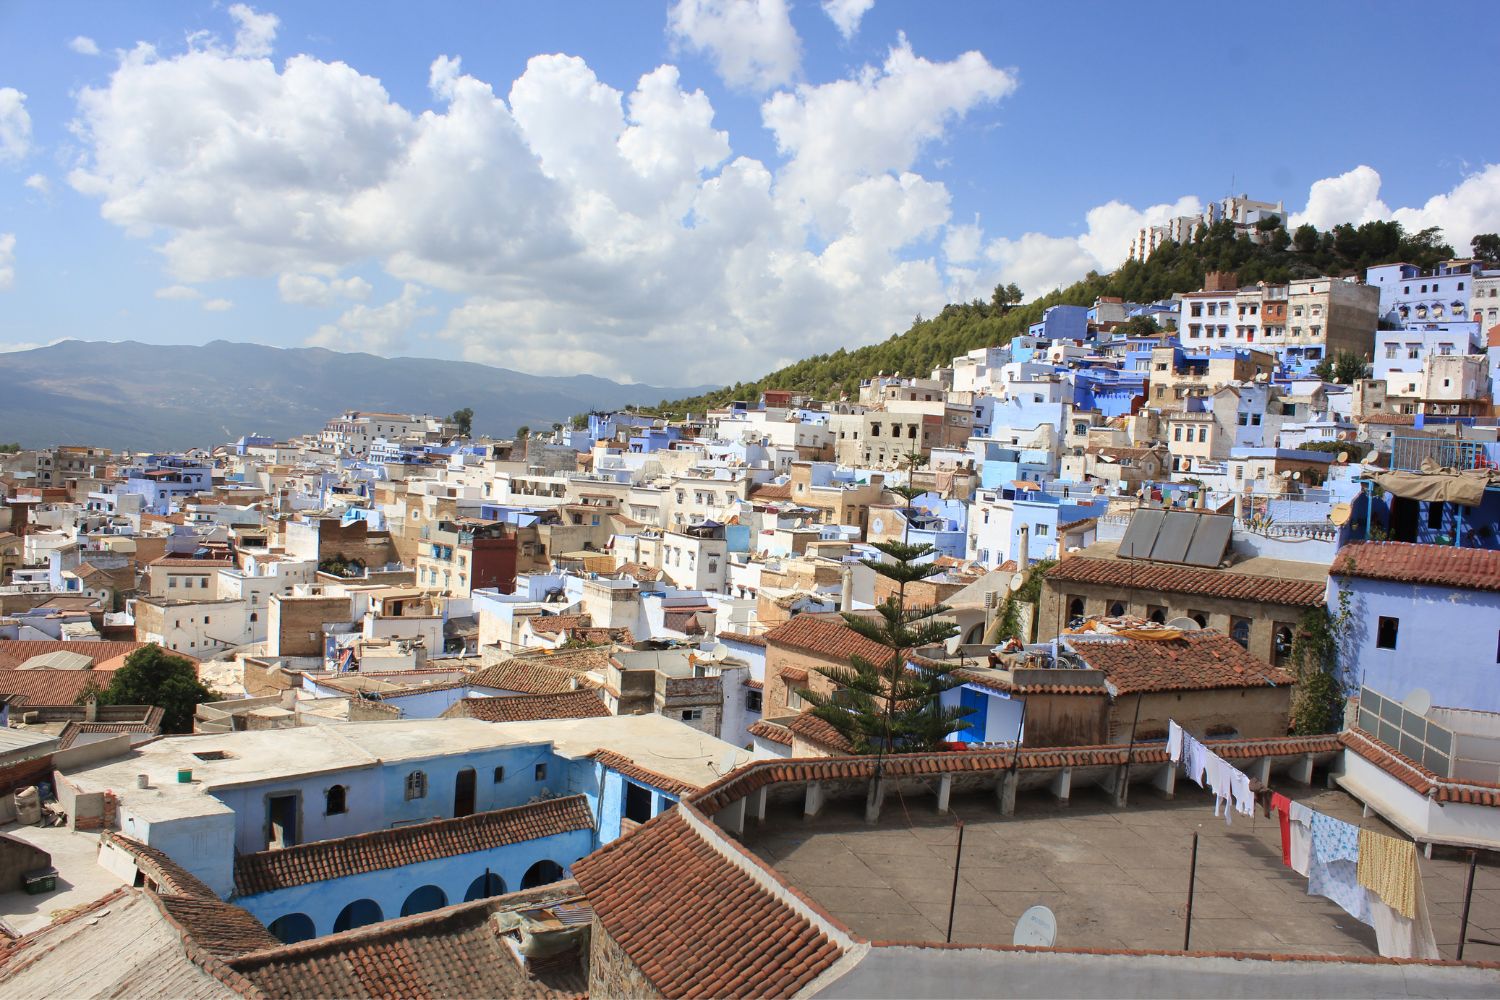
{"type": "Point", "coordinates": [1177, 434]}
{"type": "Point", "coordinates": [1435, 514]}
{"type": "Point", "coordinates": [1385, 632]}
{"type": "Point", "coordinates": [692, 715]}
{"type": "Point", "coordinates": [1239, 631]}
{"type": "Point", "coordinates": [1043, 530]}
{"type": "Point", "coordinates": [637, 802]}
{"type": "Point", "coordinates": [753, 701]}
{"type": "Point", "coordinates": [202, 583]}
{"type": "Point", "coordinates": [1116, 609]}
{"type": "Point", "coordinates": [1156, 613]}
{"type": "Point", "coordinates": [540, 772]}
{"type": "Point", "coordinates": [1281, 643]}
{"type": "Point", "coordinates": [172, 583]}
{"type": "Point", "coordinates": [335, 801]}
{"type": "Point", "coordinates": [416, 785]}
{"type": "Point", "coordinates": [499, 775]}
{"type": "Point", "coordinates": [793, 698]}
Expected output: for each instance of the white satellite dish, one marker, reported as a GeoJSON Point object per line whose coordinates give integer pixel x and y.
{"type": "Point", "coordinates": [728, 762]}
{"type": "Point", "coordinates": [1419, 702]}
{"type": "Point", "coordinates": [1017, 581]}
{"type": "Point", "coordinates": [1037, 928]}
{"type": "Point", "coordinates": [1183, 624]}
{"type": "Point", "coordinates": [1343, 457]}
{"type": "Point", "coordinates": [1297, 475]}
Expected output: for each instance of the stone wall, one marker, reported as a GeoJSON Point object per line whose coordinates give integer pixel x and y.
{"type": "Point", "coordinates": [612, 973]}
{"type": "Point", "coordinates": [296, 624]}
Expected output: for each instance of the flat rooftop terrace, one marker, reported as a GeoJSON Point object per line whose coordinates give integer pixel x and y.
{"type": "Point", "coordinates": [1115, 878]}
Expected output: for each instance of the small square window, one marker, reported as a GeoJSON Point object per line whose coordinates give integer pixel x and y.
{"type": "Point", "coordinates": [541, 772]}
{"type": "Point", "coordinates": [499, 775]}
{"type": "Point", "coordinates": [1385, 633]}
{"type": "Point", "coordinates": [692, 714]}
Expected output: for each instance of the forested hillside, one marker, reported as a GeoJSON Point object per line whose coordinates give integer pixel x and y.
{"type": "Point", "coordinates": [1173, 268]}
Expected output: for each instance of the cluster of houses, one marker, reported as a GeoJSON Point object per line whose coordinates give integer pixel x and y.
{"type": "Point", "coordinates": [513, 709]}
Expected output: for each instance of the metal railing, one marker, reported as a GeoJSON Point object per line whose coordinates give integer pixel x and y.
{"type": "Point", "coordinates": [1416, 736]}
{"type": "Point", "coordinates": [1408, 453]}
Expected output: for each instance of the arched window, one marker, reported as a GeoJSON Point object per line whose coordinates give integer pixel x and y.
{"type": "Point", "coordinates": [336, 800]}
{"type": "Point", "coordinates": [1200, 618]}
{"type": "Point", "coordinates": [1116, 609]}
{"type": "Point", "coordinates": [486, 885]}
{"type": "Point", "coordinates": [1158, 615]}
{"type": "Point", "coordinates": [1075, 608]}
{"type": "Point", "coordinates": [1283, 643]}
{"type": "Point", "coordinates": [254, 617]}
{"type": "Point", "coordinates": [357, 914]}
{"type": "Point", "coordinates": [416, 785]}
{"type": "Point", "coordinates": [542, 873]}
{"type": "Point", "coordinates": [292, 927]}
{"type": "Point", "coordinates": [428, 897]}
{"type": "Point", "coordinates": [1239, 631]}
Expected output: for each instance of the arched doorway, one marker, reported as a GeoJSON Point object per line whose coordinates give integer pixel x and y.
{"type": "Point", "coordinates": [541, 873]}
{"type": "Point", "coordinates": [427, 897]}
{"type": "Point", "coordinates": [292, 927]}
{"type": "Point", "coordinates": [486, 885]}
{"type": "Point", "coordinates": [357, 914]}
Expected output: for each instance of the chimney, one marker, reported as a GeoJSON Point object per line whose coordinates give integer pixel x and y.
{"type": "Point", "coordinates": [846, 597]}
{"type": "Point", "coordinates": [1023, 548]}
{"type": "Point", "coordinates": [91, 710]}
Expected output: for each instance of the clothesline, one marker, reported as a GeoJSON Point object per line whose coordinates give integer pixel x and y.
{"type": "Point", "coordinates": [1230, 785]}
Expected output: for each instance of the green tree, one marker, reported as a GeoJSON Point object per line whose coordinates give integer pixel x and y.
{"type": "Point", "coordinates": [10, 449]}
{"type": "Point", "coordinates": [153, 676]}
{"type": "Point", "coordinates": [1007, 297]}
{"type": "Point", "coordinates": [1348, 368]}
{"type": "Point", "coordinates": [891, 705]}
{"type": "Point", "coordinates": [464, 419]}
{"type": "Point", "coordinates": [1486, 248]}
{"type": "Point", "coordinates": [523, 432]}
{"type": "Point", "coordinates": [1318, 698]}
{"type": "Point", "coordinates": [1140, 326]}
{"type": "Point", "coordinates": [1305, 239]}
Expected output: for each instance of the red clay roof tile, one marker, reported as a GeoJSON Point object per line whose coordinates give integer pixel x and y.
{"type": "Point", "coordinates": [1198, 661]}
{"type": "Point", "coordinates": [1184, 580]}
{"type": "Point", "coordinates": [531, 707]}
{"type": "Point", "coordinates": [1433, 565]}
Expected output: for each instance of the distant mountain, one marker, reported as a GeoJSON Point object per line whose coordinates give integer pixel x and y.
{"type": "Point", "coordinates": [144, 396]}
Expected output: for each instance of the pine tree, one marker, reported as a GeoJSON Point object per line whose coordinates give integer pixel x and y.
{"type": "Point", "coordinates": [894, 706]}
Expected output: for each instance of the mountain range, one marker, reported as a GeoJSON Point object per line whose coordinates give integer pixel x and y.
{"type": "Point", "coordinates": [137, 396]}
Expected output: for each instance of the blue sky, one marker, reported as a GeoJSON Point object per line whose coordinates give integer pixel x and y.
{"type": "Point", "coordinates": [677, 193]}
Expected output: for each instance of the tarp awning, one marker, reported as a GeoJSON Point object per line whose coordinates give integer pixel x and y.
{"type": "Point", "coordinates": [1464, 487]}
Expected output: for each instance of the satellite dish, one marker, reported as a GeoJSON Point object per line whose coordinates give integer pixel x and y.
{"type": "Point", "coordinates": [1037, 928]}
{"type": "Point", "coordinates": [1297, 475]}
{"type": "Point", "coordinates": [1343, 457]}
{"type": "Point", "coordinates": [1183, 624]}
{"type": "Point", "coordinates": [729, 761]}
{"type": "Point", "coordinates": [1340, 514]}
{"type": "Point", "coordinates": [1419, 702]}
{"type": "Point", "coordinates": [1017, 581]}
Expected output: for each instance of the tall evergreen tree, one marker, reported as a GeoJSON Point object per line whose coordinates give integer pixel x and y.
{"type": "Point", "coordinates": [893, 705]}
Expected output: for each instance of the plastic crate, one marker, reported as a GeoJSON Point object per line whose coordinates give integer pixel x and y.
{"type": "Point", "coordinates": [40, 880]}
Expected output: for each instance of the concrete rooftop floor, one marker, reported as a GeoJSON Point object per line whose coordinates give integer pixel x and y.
{"type": "Point", "coordinates": [80, 878]}
{"type": "Point", "coordinates": [1115, 878]}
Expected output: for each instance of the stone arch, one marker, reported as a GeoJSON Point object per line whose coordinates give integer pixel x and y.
{"type": "Point", "coordinates": [357, 914]}
{"type": "Point", "coordinates": [486, 885]}
{"type": "Point", "coordinates": [542, 873]}
{"type": "Point", "coordinates": [289, 928]}
{"type": "Point", "coordinates": [424, 898]}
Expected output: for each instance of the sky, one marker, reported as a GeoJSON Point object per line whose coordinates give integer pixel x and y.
{"type": "Point", "coordinates": [677, 193]}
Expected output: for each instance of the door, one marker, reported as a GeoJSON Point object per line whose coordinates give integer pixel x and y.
{"type": "Point", "coordinates": [281, 811]}
{"type": "Point", "coordinates": [463, 793]}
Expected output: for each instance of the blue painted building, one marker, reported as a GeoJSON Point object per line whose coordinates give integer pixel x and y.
{"type": "Point", "coordinates": [1061, 323]}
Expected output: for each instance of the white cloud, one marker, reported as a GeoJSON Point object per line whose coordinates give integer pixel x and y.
{"type": "Point", "coordinates": [1350, 197]}
{"type": "Point", "coordinates": [254, 34]}
{"type": "Point", "coordinates": [7, 260]}
{"type": "Point", "coordinates": [378, 329]}
{"type": "Point", "coordinates": [1472, 206]}
{"type": "Point", "coordinates": [311, 290]}
{"type": "Point", "coordinates": [1113, 225]}
{"type": "Point", "coordinates": [15, 126]}
{"type": "Point", "coordinates": [178, 293]}
{"type": "Point", "coordinates": [846, 14]}
{"type": "Point", "coordinates": [218, 305]}
{"type": "Point", "coordinates": [39, 183]}
{"type": "Point", "coordinates": [84, 45]}
{"type": "Point", "coordinates": [752, 42]}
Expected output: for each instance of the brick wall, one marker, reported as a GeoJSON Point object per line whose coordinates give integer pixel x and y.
{"type": "Point", "coordinates": [296, 623]}
{"type": "Point", "coordinates": [612, 973]}
{"type": "Point", "coordinates": [355, 541]}
{"type": "Point", "coordinates": [23, 773]}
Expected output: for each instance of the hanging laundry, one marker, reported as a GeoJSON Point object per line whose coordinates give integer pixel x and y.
{"type": "Point", "coordinates": [1196, 756]}
{"type": "Point", "coordinates": [1403, 937]}
{"type": "Point", "coordinates": [1174, 741]}
{"type": "Point", "coordinates": [1388, 867]}
{"type": "Point", "coordinates": [1332, 871]}
{"type": "Point", "coordinates": [1239, 787]}
{"type": "Point", "coordinates": [1301, 829]}
{"type": "Point", "coordinates": [1282, 806]}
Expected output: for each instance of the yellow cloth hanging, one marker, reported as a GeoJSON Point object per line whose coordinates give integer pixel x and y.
{"type": "Point", "coordinates": [1388, 867]}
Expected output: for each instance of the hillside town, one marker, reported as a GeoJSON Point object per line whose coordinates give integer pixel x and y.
{"type": "Point", "coordinates": [551, 715]}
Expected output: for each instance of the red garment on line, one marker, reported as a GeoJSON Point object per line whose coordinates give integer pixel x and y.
{"type": "Point", "coordinates": [1283, 807]}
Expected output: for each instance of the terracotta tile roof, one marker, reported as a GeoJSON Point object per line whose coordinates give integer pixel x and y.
{"type": "Point", "coordinates": [1435, 565]}
{"type": "Point", "coordinates": [48, 687]}
{"type": "Point", "coordinates": [616, 761]}
{"type": "Point", "coordinates": [382, 850]}
{"type": "Point", "coordinates": [170, 877]}
{"type": "Point", "coordinates": [604, 636]}
{"type": "Point", "coordinates": [697, 924]}
{"type": "Point", "coordinates": [1184, 580]}
{"type": "Point", "coordinates": [147, 727]}
{"type": "Point", "coordinates": [526, 676]}
{"type": "Point", "coordinates": [769, 491]}
{"type": "Point", "coordinates": [221, 928]}
{"type": "Point", "coordinates": [1417, 777]}
{"type": "Point", "coordinates": [205, 564]}
{"type": "Point", "coordinates": [997, 682]}
{"type": "Point", "coordinates": [1403, 419]}
{"type": "Point", "coordinates": [761, 774]}
{"type": "Point", "coordinates": [772, 732]}
{"type": "Point", "coordinates": [754, 684]}
{"type": "Point", "coordinates": [1198, 661]}
{"type": "Point", "coordinates": [530, 707]}
{"type": "Point", "coordinates": [555, 624]}
{"type": "Point", "coordinates": [450, 952]}
{"type": "Point", "coordinates": [820, 733]}
{"type": "Point", "coordinates": [685, 620]}
{"type": "Point", "coordinates": [826, 636]}
{"type": "Point", "coordinates": [744, 637]}
{"type": "Point", "coordinates": [794, 674]}
{"type": "Point", "coordinates": [14, 652]}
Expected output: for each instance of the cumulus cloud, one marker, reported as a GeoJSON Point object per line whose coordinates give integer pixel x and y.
{"type": "Point", "coordinates": [378, 329]}
{"type": "Point", "coordinates": [571, 223]}
{"type": "Point", "coordinates": [84, 45]}
{"type": "Point", "coordinates": [218, 305]}
{"type": "Point", "coordinates": [178, 293]}
{"type": "Point", "coordinates": [311, 290]}
{"type": "Point", "coordinates": [1472, 206]}
{"type": "Point", "coordinates": [15, 126]}
{"type": "Point", "coordinates": [7, 260]}
{"type": "Point", "coordinates": [846, 14]}
{"type": "Point", "coordinates": [39, 183]}
{"type": "Point", "coordinates": [752, 42]}
{"type": "Point", "coordinates": [254, 34]}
